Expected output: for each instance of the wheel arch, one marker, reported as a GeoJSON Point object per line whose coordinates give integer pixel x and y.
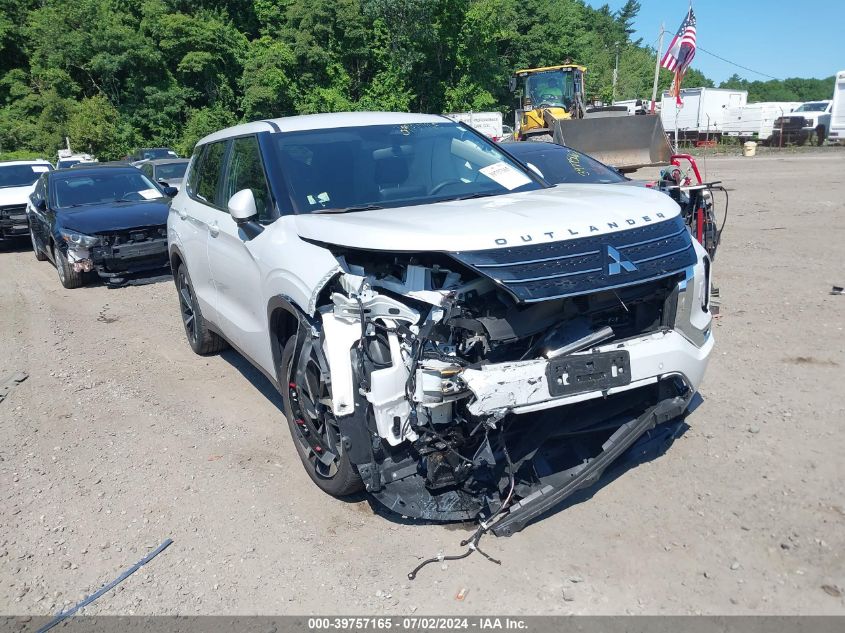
{"type": "Point", "coordinates": [284, 319]}
{"type": "Point", "coordinates": [176, 259]}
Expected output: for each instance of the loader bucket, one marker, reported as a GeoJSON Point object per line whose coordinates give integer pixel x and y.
{"type": "Point", "coordinates": [625, 142]}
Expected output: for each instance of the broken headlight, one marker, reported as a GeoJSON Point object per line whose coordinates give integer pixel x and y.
{"type": "Point", "coordinates": [692, 317]}
{"type": "Point", "coordinates": [79, 239]}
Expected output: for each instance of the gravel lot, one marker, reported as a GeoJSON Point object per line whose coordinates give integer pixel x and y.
{"type": "Point", "coordinates": [122, 437]}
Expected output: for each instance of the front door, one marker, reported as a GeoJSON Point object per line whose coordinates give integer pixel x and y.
{"type": "Point", "coordinates": [235, 264]}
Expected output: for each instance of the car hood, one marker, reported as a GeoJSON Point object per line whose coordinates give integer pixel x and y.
{"type": "Point", "coordinates": [15, 195]}
{"type": "Point", "coordinates": [548, 215]}
{"type": "Point", "coordinates": [115, 216]}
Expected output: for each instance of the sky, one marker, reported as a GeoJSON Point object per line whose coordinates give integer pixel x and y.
{"type": "Point", "coordinates": [779, 38]}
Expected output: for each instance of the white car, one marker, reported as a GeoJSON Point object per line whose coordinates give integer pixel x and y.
{"type": "Point", "coordinates": [17, 180]}
{"type": "Point", "coordinates": [447, 331]}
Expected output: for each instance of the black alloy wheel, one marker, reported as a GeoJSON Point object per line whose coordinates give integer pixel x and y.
{"type": "Point", "coordinates": [201, 339]}
{"type": "Point", "coordinates": [307, 402]}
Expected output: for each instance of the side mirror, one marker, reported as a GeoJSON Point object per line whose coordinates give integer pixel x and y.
{"type": "Point", "coordinates": [242, 206]}
{"type": "Point", "coordinates": [512, 84]}
{"type": "Point", "coordinates": [169, 191]}
{"type": "Point", "coordinates": [39, 203]}
{"type": "Point", "coordinates": [244, 212]}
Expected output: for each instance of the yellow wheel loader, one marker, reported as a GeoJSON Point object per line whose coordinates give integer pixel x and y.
{"type": "Point", "coordinates": [552, 108]}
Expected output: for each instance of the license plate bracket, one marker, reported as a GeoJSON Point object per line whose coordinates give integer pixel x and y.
{"type": "Point", "coordinates": [590, 372]}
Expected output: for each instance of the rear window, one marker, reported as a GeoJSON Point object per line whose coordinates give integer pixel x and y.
{"type": "Point", "coordinates": [564, 165]}
{"type": "Point", "coordinates": [20, 175]}
{"type": "Point", "coordinates": [171, 170]}
{"type": "Point", "coordinates": [157, 152]}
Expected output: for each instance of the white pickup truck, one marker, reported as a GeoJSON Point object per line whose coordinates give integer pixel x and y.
{"type": "Point", "coordinates": [447, 330]}
{"type": "Point", "coordinates": [810, 120]}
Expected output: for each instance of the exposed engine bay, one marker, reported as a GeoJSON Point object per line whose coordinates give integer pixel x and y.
{"type": "Point", "coordinates": [432, 366]}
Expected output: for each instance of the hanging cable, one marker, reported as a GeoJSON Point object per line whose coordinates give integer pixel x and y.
{"type": "Point", "coordinates": [751, 70]}
{"type": "Point", "coordinates": [483, 526]}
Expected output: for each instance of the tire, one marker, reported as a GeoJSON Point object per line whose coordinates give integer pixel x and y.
{"type": "Point", "coordinates": [69, 278]}
{"type": "Point", "coordinates": [820, 134]}
{"type": "Point", "coordinates": [340, 478]}
{"type": "Point", "coordinates": [201, 339]}
{"type": "Point", "coordinates": [39, 254]}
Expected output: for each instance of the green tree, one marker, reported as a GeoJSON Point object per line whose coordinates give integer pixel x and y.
{"type": "Point", "coordinates": [202, 122]}
{"type": "Point", "coordinates": [95, 126]}
{"type": "Point", "coordinates": [268, 85]}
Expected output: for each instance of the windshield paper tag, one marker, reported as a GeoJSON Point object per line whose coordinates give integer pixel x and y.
{"type": "Point", "coordinates": [505, 175]}
{"type": "Point", "coordinates": [150, 194]}
{"type": "Point", "coordinates": [40, 169]}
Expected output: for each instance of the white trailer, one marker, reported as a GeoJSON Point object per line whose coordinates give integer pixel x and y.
{"type": "Point", "coordinates": [488, 123]}
{"type": "Point", "coordinates": [837, 112]}
{"type": "Point", "coordinates": [702, 113]}
{"type": "Point", "coordinates": [755, 120]}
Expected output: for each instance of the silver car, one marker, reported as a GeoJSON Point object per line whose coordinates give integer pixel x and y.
{"type": "Point", "coordinates": [168, 172]}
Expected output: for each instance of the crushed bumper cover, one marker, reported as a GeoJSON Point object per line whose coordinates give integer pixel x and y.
{"type": "Point", "coordinates": [117, 263]}
{"type": "Point", "coordinates": [570, 481]}
{"type": "Point", "coordinates": [527, 386]}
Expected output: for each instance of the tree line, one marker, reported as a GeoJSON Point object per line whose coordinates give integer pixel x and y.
{"type": "Point", "coordinates": [116, 74]}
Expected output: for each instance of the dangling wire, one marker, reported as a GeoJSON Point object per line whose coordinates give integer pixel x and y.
{"type": "Point", "coordinates": [483, 527]}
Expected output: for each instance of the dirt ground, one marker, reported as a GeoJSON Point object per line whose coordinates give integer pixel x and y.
{"type": "Point", "coordinates": [122, 437]}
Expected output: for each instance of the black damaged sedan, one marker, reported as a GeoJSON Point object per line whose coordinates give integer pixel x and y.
{"type": "Point", "coordinates": [111, 220]}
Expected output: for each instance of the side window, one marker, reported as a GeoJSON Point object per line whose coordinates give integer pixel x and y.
{"type": "Point", "coordinates": [194, 170]}
{"type": "Point", "coordinates": [38, 194]}
{"type": "Point", "coordinates": [246, 172]}
{"type": "Point", "coordinates": [208, 175]}
{"type": "Point", "coordinates": [148, 170]}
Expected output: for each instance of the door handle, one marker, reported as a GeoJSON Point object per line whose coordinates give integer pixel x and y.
{"type": "Point", "coordinates": [213, 229]}
{"type": "Point", "coordinates": [183, 215]}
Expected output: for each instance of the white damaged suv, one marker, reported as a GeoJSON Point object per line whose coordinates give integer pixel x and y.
{"type": "Point", "coordinates": [447, 331]}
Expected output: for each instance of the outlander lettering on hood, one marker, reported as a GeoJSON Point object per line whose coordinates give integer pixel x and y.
{"type": "Point", "coordinates": [569, 232]}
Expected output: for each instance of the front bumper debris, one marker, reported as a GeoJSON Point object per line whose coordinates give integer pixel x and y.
{"type": "Point", "coordinates": [116, 262]}
{"type": "Point", "coordinates": [524, 386]}
{"type": "Point", "coordinates": [567, 482]}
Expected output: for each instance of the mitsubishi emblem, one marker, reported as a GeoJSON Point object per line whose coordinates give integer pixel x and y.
{"type": "Point", "coordinates": [615, 261]}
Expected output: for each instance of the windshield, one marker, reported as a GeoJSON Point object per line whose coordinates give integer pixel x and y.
{"type": "Point", "coordinates": [171, 171]}
{"type": "Point", "coordinates": [69, 162]}
{"type": "Point", "coordinates": [563, 164]}
{"type": "Point", "coordinates": [811, 107]}
{"type": "Point", "coordinates": [84, 188]}
{"type": "Point", "coordinates": [377, 166]}
{"type": "Point", "coordinates": [157, 152]}
{"type": "Point", "coordinates": [553, 87]}
{"type": "Point", "coordinates": [20, 175]}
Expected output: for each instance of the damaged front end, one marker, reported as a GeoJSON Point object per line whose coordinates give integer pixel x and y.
{"type": "Point", "coordinates": [466, 385]}
{"type": "Point", "coordinates": [119, 255]}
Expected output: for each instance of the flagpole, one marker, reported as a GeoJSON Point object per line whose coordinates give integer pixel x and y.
{"type": "Point", "coordinates": [657, 67]}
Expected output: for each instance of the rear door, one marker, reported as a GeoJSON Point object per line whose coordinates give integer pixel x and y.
{"type": "Point", "coordinates": [235, 266]}
{"type": "Point", "coordinates": [195, 213]}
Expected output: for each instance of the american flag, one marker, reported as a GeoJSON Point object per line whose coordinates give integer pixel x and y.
{"type": "Point", "coordinates": [681, 50]}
